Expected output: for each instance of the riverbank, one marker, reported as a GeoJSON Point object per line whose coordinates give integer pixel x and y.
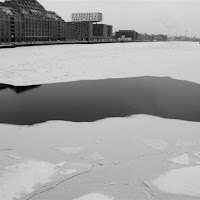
{"type": "Point", "coordinates": [23, 44]}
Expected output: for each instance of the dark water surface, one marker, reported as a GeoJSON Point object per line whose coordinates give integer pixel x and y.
{"type": "Point", "coordinates": [88, 101]}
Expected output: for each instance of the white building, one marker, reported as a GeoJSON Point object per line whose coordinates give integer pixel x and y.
{"type": "Point", "coordinates": [89, 17]}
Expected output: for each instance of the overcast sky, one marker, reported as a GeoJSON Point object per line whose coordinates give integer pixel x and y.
{"type": "Point", "coordinates": [175, 17]}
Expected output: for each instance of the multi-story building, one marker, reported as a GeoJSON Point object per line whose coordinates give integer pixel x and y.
{"type": "Point", "coordinates": [79, 31]}
{"type": "Point", "coordinates": [126, 35]}
{"type": "Point", "coordinates": [144, 37]}
{"type": "Point", "coordinates": [109, 30]}
{"type": "Point", "coordinates": [82, 28]}
{"type": "Point", "coordinates": [10, 24]}
{"type": "Point", "coordinates": [56, 26]}
{"type": "Point", "coordinates": [102, 31]}
{"type": "Point", "coordinates": [87, 17]}
{"type": "Point", "coordinates": [27, 20]}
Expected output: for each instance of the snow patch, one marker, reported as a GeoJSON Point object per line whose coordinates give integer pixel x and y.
{"type": "Point", "coordinates": [157, 144]}
{"type": "Point", "coordinates": [95, 196]}
{"type": "Point", "coordinates": [185, 181]}
{"type": "Point", "coordinates": [22, 178]}
{"type": "Point", "coordinates": [68, 172]}
{"type": "Point", "coordinates": [182, 159]}
{"type": "Point", "coordinates": [60, 164]}
{"type": "Point", "coordinates": [97, 157]}
{"type": "Point", "coordinates": [185, 143]}
{"type": "Point", "coordinates": [72, 168]}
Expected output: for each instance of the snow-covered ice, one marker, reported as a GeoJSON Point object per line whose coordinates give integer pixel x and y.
{"type": "Point", "coordinates": [157, 144]}
{"type": "Point", "coordinates": [95, 196]}
{"type": "Point", "coordinates": [185, 181]}
{"type": "Point", "coordinates": [22, 178]}
{"type": "Point", "coordinates": [182, 159]}
{"type": "Point", "coordinates": [60, 164]}
{"type": "Point", "coordinates": [30, 176]}
{"type": "Point", "coordinates": [185, 143]}
{"type": "Point", "coordinates": [68, 172]}
{"type": "Point", "coordinates": [128, 142]}
{"type": "Point", "coordinates": [70, 150]}
{"type": "Point", "coordinates": [121, 141]}
{"type": "Point", "coordinates": [97, 157]}
{"type": "Point", "coordinates": [61, 63]}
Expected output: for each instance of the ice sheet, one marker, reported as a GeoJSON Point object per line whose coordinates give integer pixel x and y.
{"type": "Point", "coordinates": [182, 159]}
{"type": "Point", "coordinates": [185, 181]}
{"type": "Point", "coordinates": [47, 64]}
{"type": "Point", "coordinates": [22, 178]}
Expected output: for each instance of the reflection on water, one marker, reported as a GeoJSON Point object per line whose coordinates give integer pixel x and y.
{"type": "Point", "coordinates": [87, 101]}
{"type": "Point", "coordinates": [18, 89]}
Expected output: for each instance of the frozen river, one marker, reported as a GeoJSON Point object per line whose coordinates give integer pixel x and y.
{"type": "Point", "coordinates": [61, 63]}
{"type": "Point", "coordinates": [111, 150]}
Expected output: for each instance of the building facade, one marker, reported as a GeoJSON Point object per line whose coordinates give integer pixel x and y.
{"type": "Point", "coordinates": [87, 17]}
{"type": "Point", "coordinates": [87, 31]}
{"type": "Point", "coordinates": [102, 32]}
{"type": "Point", "coordinates": [79, 31]}
{"type": "Point", "coordinates": [10, 24]}
{"type": "Point", "coordinates": [28, 21]}
{"type": "Point", "coordinates": [127, 35]}
{"type": "Point", "coordinates": [82, 28]}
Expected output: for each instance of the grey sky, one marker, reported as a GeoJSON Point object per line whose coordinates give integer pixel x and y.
{"type": "Point", "coordinates": [145, 16]}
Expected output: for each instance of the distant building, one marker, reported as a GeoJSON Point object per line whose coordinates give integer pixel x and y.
{"type": "Point", "coordinates": [79, 31]}
{"type": "Point", "coordinates": [152, 38]}
{"type": "Point", "coordinates": [126, 35]}
{"type": "Point", "coordinates": [56, 27]}
{"type": "Point", "coordinates": [102, 30]}
{"type": "Point", "coordinates": [27, 20]}
{"type": "Point", "coordinates": [87, 31]}
{"type": "Point", "coordinates": [11, 25]}
{"type": "Point", "coordinates": [160, 37]}
{"type": "Point", "coordinates": [144, 37]}
{"type": "Point", "coordinates": [82, 28]}
{"type": "Point", "coordinates": [87, 17]}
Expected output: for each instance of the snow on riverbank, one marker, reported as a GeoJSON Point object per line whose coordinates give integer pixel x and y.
{"type": "Point", "coordinates": [48, 64]}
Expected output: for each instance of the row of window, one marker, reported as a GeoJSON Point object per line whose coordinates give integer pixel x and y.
{"type": "Point", "coordinates": [30, 5]}
{"type": "Point", "coordinates": [29, 39]}
{"type": "Point", "coordinates": [85, 19]}
{"type": "Point", "coordinates": [84, 14]}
